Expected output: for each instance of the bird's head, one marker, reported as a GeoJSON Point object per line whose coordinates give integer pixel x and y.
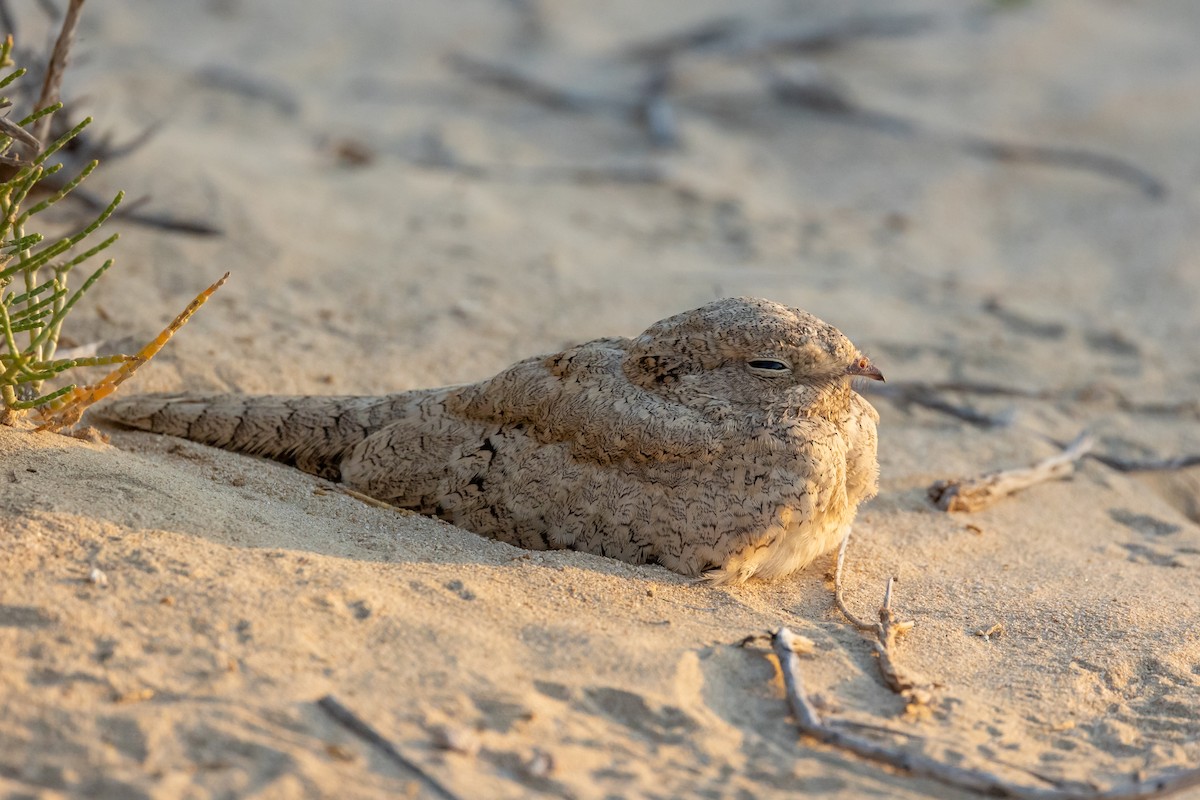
{"type": "Point", "coordinates": [746, 352]}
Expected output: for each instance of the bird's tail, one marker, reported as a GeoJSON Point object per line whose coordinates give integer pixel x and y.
{"type": "Point", "coordinates": [312, 433]}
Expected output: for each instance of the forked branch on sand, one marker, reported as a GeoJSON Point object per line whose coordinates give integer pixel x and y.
{"type": "Point", "coordinates": [885, 630]}
{"type": "Point", "coordinates": [809, 721]}
{"type": "Point", "coordinates": [787, 645]}
{"type": "Point", "coordinates": [973, 494]}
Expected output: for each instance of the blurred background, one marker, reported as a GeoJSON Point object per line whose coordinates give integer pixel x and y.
{"type": "Point", "coordinates": [419, 193]}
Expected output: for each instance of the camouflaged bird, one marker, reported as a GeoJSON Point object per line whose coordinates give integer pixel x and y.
{"type": "Point", "coordinates": [726, 442]}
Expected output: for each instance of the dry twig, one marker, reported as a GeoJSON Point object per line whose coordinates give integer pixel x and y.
{"type": "Point", "coordinates": [356, 725]}
{"type": "Point", "coordinates": [1190, 408]}
{"type": "Point", "coordinates": [705, 34]}
{"type": "Point", "coordinates": [1147, 464]}
{"type": "Point", "coordinates": [510, 79]}
{"type": "Point", "coordinates": [727, 38]}
{"type": "Point", "coordinates": [885, 630]}
{"type": "Point", "coordinates": [973, 494]}
{"type": "Point", "coordinates": [14, 131]}
{"type": "Point", "coordinates": [52, 84]}
{"type": "Point", "coordinates": [49, 127]}
{"type": "Point", "coordinates": [366, 499]}
{"type": "Point", "coordinates": [927, 395]}
{"type": "Point", "coordinates": [967, 387]}
{"type": "Point", "coordinates": [809, 721]}
{"type": "Point", "coordinates": [1074, 158]}
{"type": "Point", "coordinates": [260, 91]}
{"type": "Point", "coordinates": [436, 155]}
{"type": "Point", "coordinates": [651, 109]}
{"type": "Point", "coordinates": [153, 219]}
{"type": "Point", "coordinates": [837, 103]}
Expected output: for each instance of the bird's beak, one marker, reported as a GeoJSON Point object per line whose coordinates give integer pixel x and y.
{"type": "Point", "coordinates": [869, 371]}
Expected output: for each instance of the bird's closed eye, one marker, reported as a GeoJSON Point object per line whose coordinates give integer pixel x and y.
{"type": "Point", "coordinates": [769, 365]}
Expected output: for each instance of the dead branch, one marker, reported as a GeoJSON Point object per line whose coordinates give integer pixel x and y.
{"type": "Point", "coordinates": [16, 132]}
{"type": "Point", "coordinates": [87, 148]}
{"type": "Point", "coordinates": [827, 35]}
{"type": "Point", "coordinates": [927, 395]}
{"type": "Point", "coordinates": [355, 724]}
{"type": "Point", "coordinates": [724, 38]}
{"type": "Point", "coordinates": [262, 91]}
{"type": "Point", "coordinates": [694, 37]}
{"type": "Point", "coordinates": [167, 222]}
{"type": "Point", "coordinates": [804, 86]}
{"type": "Point", "coordinates": [1070, 158]}
{"type": "Point", "coordinates": [363, 498]}
{"type": "Point", "coordinates": [651, 109]}
{"type": "Point", "coordinates": [510, 79]}
{"type": "Point", "coordinates": [885, 630]}
{"type": "Point", "coordinates": [1147, 465]}
{"type": "Point", "coordinates": [437, 155]}
{"type": "Point", "coordinates": [1189, 408]}
{"type": "Point", "coordinates": [855, 620]}
{"type": "Point", "coordinates": [52, 83]}
{"type": "Point", "coordinates": [973, 494]}
{"type": "Point", "coordinates": [809, 721]}
{"type": "Point", "coordinates": [634, 173]}
{"type": "Point", "coordinates": [131, 212]}
{"type": "Point", "coordinates": [730, 37]}
{"type": "Point", "coordinates": [889, 629]}
{"type": "Point", "coordinates": [1019, 323]}
{"type": "Point", "coordinates": [83, 145]}
{"type": "Point", "coordinates": [1097, 393]}
{"type": "Point", "coordinates": [968, 387]}
{"type": "Point", "coordinates": [1074, 158]}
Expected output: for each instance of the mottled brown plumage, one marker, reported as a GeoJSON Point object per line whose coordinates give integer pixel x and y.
{"type": "Point", "coordinates": [725, 441]}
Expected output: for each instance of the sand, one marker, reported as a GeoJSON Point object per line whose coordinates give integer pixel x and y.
{"type": "Point", "coordinates": [236, 593]}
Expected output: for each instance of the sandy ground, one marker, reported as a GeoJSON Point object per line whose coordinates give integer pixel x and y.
{"type": "Point", "coordinates": [239, 592]}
